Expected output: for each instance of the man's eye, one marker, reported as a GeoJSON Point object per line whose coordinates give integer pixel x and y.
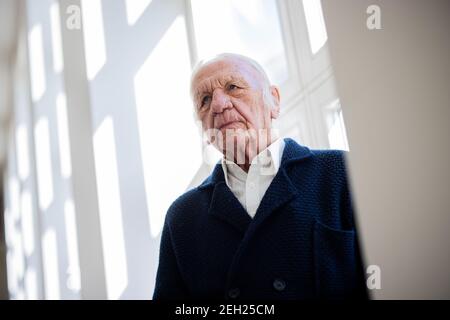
{"type": "Point", "coordinates": [205, 100]}
{"type": "Point", "coordinates": [232, 87]}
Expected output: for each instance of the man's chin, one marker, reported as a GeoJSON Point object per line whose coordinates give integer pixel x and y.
{"type": "Point", "coordinates": [235, 149]}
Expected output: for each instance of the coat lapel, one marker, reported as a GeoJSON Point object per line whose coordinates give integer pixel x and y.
{"type": "Point", "coordinates": [281, 190]}
{"type": "Point", "coordinates": [225, 206]}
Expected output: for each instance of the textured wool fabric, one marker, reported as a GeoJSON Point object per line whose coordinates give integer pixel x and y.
{"type": "Point", "coordinates": [301, 244]}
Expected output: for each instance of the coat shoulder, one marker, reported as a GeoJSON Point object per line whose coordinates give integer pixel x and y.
{"type": "Point", "coordinates": [333, 160]}
{"type": "Point", "coordinates": [316, 159]}
{"type": "Point", "coordinates": [187, 206]}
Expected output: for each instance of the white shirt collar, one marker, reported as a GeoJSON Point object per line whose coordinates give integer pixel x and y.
{"type": "Point", "coordinates": [268, 161]}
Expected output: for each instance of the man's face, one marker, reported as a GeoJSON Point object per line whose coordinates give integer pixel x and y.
{"type": "Point", "coordinates": [228, 96]}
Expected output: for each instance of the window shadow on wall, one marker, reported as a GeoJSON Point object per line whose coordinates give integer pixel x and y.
{"type": "Point", "coordinates": [146, 144]}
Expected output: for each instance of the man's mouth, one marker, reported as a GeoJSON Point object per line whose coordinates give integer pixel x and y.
{"type": "Point", "coordinates": [229, 125]}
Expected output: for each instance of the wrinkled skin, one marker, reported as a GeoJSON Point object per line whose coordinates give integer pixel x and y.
{"type": "Point", "coordinates": [228, 97]}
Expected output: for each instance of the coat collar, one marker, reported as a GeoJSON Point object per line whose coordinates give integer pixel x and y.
{"type": "Point", "coordinates": [292, 152]}
{"type": "Point", "coordinates": [226, 206]}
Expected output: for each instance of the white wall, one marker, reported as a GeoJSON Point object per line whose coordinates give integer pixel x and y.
{"type": "Point", "coordinates": [394, 85]}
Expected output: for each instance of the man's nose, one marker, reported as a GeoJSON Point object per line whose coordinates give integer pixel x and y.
{"type": "Point", "coordinates": [220, 101]}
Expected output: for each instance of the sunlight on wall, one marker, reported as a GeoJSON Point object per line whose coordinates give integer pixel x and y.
{"type": "Point", "coordinates": [110, 209]}
{"type": "Point", "coordinates": [15, 255]}
{"type": "Point", "coordinates": [31, 284]}
{"type": "Point", "coordinates": [18, 258]}
{"type": "Point", "coordinates": [14, 195]}
{"type": "Point", "coordinates": [73, 280]}
{"type": "Point", "coordinates": [242, 27]}
{"type": "Point", "coordinates": [135, 8]}
{"type": "Point", "coordinates": [27, 222]}
{"type": "Point", "coordinates": [43, 163]}
{"type": "Point", "coordinates": [23, 161]}
{"type": "Point", "coordinates": [30, 277]}
{"type": "Point", "coordinates": [50, 262]}
{"type": "Point", "coordinates": [63, 136]}
{"type": "Point", "coordinates": [315, 24]}
{"type": "Point", "coordinates": [211, 155]}
{"type": "Point", "coordinates": [37, 63]}
{"type": "Point", "coordinates": [94, 36]}
{"type": "Point", "coordinates": [13, 239]}
{"type": "Point", "coordinates": [170, 143]}
{"type": "Point", "coordinates": [10, 276]}
{"type": "Point", "coordinates": [56, 37]}
{"type": "Point", "coordinates": [15, 290]}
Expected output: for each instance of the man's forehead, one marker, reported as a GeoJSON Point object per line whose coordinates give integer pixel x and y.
{"type": "Point", "coordinates": [225, 69]}
{"type": "Point", "coordinates": [219, 78]}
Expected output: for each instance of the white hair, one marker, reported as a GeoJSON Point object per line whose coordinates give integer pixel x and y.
{"type": "Point", "coordinates": [266, 86]}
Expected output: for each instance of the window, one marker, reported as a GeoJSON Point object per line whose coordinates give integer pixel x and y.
{"type": "Point", "coordinates": [315, 23]}
{"type": "Point", "coordinates": [250, 27]}
{"type": "Point", "coordinates": [337, 136]}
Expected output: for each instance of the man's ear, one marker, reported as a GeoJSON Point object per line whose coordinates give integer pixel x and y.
{"type": "Point", "coordinates": [275, 93]}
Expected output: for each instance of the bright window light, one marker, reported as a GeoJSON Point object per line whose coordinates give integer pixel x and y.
{"type": "Point", "coordinates": [27, 222]}
{"type": "Point", "coordinates": [11, 274]}
{"type": "Point", "coordinates": [56, 37]}
{"type": "Point", "coordinates": [73, 281]}
{"type": "Point", "coordinates": [50, 262]}
{"type": "Point", "coordinates": [110, 209]}
{"type": "Point", "coordinates": [63, 136]}
{"type": "Point", "coordinates": [20, 295]}
{"type": "Point", "coordinates": [9, 225]}
{"type": "Point", "coordinates": [315, 23]}
{"type": "Point", "coordinates": [250, 27]}
{"type": "Point", "coordinates": [43, 163]}
{"type": "Point", "coordinates": [19, 264]}
{"type": "Point", "coordinates": [10, 238]}
{"type": "Point", "coordinates": [14, 197]}
{"type": "Point", "coordinates": [23, 161]}
{"type": "Point", "coordinates": [337, 135]}
{"type": "Point", "coordinates": [31, 289]}
{"type": "Point", "coordinates": [37, 63]}
{"type": "Point", "coordinates": [94, 36]}
{"type": "Point", "coordinates": [169, 137]}
{"type": "Point", "coordinates": [15, 259]}
{"type": "Point", "coordinates": [135, 8]}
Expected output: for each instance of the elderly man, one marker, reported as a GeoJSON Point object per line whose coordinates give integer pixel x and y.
{"type": "Point", "coordinates": [274, 220]}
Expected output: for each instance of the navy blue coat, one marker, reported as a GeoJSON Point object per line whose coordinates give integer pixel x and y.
{"type": "Point", "coordinates": [301, 244]}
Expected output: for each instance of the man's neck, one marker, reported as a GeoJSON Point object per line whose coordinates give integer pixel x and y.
{"type": "Point", "coordinates": [245, 167]}
{"type": "Point", "coordinates": [244, 158]}
{"type": "Point", "coordinates": [249, 157]}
